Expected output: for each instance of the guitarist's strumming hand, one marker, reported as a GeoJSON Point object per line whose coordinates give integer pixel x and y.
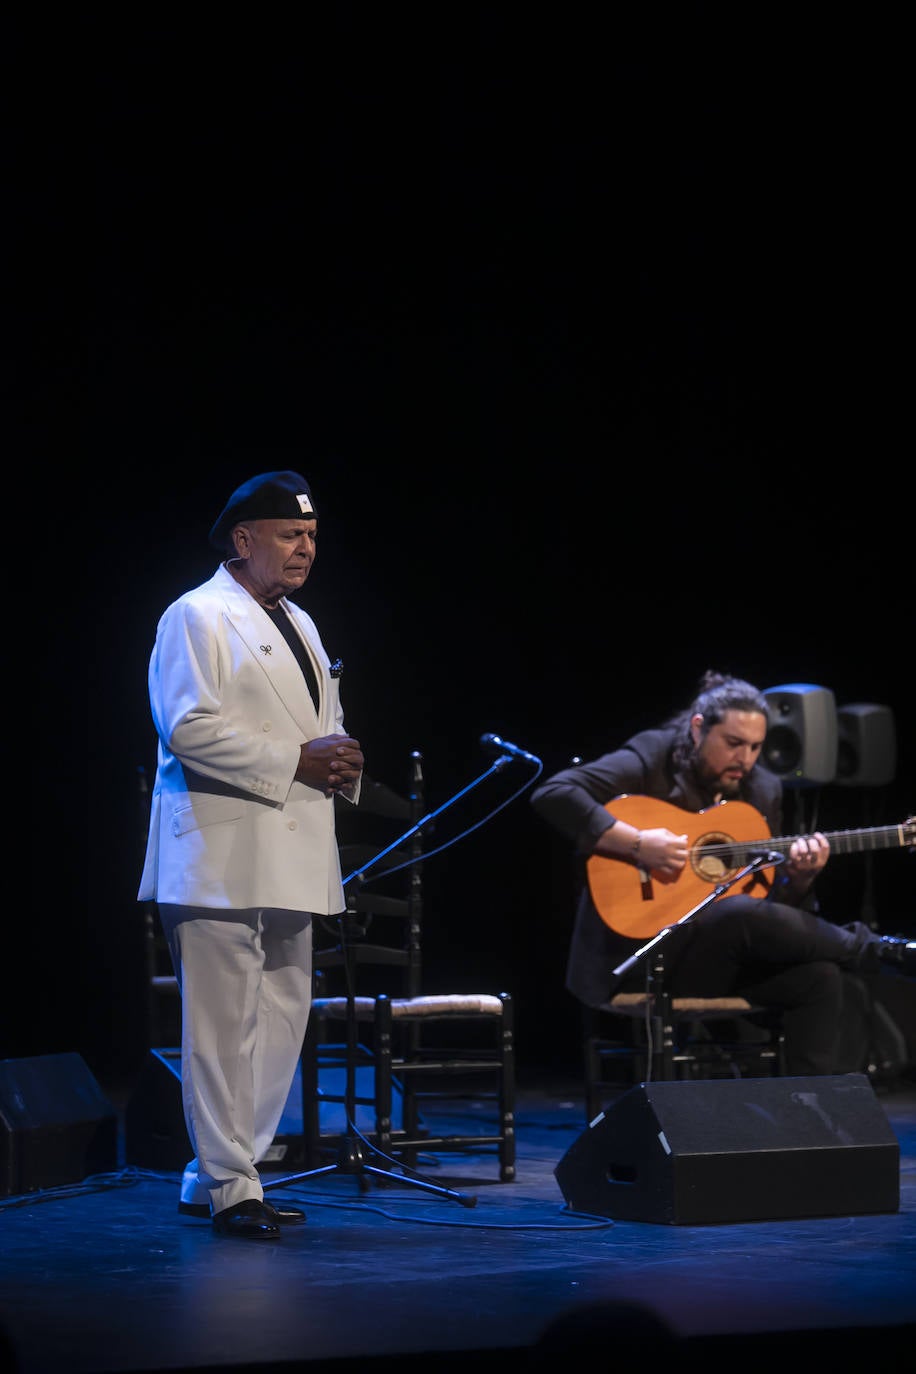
{"type": "Point", "coordinates": [660, 852]}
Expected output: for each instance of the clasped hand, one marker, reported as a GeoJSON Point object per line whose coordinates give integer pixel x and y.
{"type": "Point", "coordinates": [330, 763]}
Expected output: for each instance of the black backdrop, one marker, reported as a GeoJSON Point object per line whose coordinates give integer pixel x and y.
{"type": "Point", "coordinates": [588, 340]}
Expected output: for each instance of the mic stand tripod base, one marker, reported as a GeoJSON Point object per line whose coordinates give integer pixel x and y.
{"type": "Point", "coordinates": [354, 1149]}
{"type": "Point", "coordinates": [351, 1160]}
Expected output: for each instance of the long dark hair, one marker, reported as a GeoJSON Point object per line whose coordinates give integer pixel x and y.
{"type": "Point", "coordinates": [717, 693]}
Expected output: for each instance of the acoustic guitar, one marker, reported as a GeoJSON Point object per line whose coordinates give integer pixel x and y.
{"type": "Point", "coordinates": [721, 841]}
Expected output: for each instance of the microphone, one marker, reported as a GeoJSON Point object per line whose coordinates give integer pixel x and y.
{"type": "Point", "coordinates": [769, 857]}
{"type": "Point", "coordinates": [502, 746]}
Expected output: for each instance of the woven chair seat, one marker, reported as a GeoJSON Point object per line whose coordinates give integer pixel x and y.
{"type": "Point", "coordinates": [441, 1006]}
{"type": "Point", "coordinates": [635, 1003]}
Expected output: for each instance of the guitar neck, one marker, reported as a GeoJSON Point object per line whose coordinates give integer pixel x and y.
{"type": "Point", "coordinates": [721, 841]}
{"type": "Point", "coordinates": [854, 841]}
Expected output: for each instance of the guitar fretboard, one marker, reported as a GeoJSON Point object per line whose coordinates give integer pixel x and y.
{"type": "Point", "coordinates": [841, 842]}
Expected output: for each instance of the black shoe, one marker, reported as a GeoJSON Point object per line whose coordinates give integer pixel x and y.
{"type": "Point", "coordinates": [289, 1216]}
{"type": "Point", "coordinates": [899, 952]}
{"type": "Point", "coordinates": [250, 1220]}
{"type": "Point", "coordinates": [286, 1215]}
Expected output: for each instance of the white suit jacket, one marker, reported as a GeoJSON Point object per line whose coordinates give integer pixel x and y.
{"type": "Point", "coordinates": [229, 828]}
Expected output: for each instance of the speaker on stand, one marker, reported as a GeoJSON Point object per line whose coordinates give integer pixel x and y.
{"type": "Point", "coordinates": [867, 758]}
{"type": "Point", "coordinates": [801, 744]}
{"type": "Point", "coordinates": [866, 745]}
{"type": "Point", "coordinates": [867, 761]}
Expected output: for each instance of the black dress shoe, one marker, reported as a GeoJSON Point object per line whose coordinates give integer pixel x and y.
{"type": "Point", "coordinates": [288, 1216]}
{"type": "Point", "coordinates": [249, 1220]}
{"type": "Point", "coordinates": [899, 952]}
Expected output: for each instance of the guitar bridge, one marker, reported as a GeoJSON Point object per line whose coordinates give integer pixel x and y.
{"type": "Point", "coordinates": [645, 884]}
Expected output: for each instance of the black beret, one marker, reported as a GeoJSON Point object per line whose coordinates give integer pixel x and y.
{"type": "Point", "coordinates": [269, 496]}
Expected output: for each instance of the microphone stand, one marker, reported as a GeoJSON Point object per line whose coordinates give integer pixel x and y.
{"type": "Point", "coordinates": [354, 1149]}
{"type": "Point", "coordinates": [759, 861]}
{"type": "Point", "coordinates": [770, 859]}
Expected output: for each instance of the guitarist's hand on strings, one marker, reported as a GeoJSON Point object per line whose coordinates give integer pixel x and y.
{"type": "Point", "coordinates": [660, 851]}
{"type": "Point", "coordinates": [807, 856]}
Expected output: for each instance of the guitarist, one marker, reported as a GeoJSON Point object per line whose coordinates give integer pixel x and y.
{"type": "Point", "coordinates": [777, 951]}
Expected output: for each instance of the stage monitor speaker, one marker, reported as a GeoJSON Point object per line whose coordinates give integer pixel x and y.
{"type": "Point", "coordinates": [709, 1151]}
{"type": "Point", "coordinates": [867, 745]}
{"type": "Point", "coordinates": [801, 743]}
{"type": "Point", "coordinates": [57, 1125]}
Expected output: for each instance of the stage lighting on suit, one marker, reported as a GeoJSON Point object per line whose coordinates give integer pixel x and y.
{"type": "Point", "coordinates": [801, 743]}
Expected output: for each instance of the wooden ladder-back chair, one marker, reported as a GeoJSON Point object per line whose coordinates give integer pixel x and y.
{"type": "Point", "coordinates": [412, 1056]}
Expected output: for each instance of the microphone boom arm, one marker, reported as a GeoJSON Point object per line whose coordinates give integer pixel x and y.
{"type": "Point", "coordinates": [495, 767]}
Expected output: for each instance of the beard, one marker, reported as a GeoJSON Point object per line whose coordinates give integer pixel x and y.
{"type": "Point", "coordinates": [730, 787]}
{"type": "Point", "coordinates": [716, 783]}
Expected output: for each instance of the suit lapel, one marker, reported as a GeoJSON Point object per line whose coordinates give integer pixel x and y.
{"type": "Point", "coordinates": [273, 655]}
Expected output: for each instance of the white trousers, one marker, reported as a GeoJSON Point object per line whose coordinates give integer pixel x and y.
{"type": "Point", "coordinates": [246, 986]}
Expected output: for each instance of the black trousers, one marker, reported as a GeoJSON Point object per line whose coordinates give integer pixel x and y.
{"type": "Point", "coordinates": [775, 956]}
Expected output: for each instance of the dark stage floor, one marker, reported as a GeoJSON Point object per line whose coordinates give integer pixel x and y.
{"type": "Point", "coordinates": [104, 1276]}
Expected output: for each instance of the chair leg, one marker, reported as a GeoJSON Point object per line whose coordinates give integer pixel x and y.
{"type": "Point", "coordinates": [383, 1087]}
{"type": "Point", "coordinates": [507, 1091]}
{"type": "Point", "coordinates": [663, 1034]}
{"type": "Point", "coordinates": [410, 1101]}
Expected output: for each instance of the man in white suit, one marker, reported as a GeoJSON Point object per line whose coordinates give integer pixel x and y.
{"type": "Point", "coordinates": [242, 847]}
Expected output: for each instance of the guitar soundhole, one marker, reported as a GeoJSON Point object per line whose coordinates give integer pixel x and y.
{"type": "Point", "coordinates": [713, 857]}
